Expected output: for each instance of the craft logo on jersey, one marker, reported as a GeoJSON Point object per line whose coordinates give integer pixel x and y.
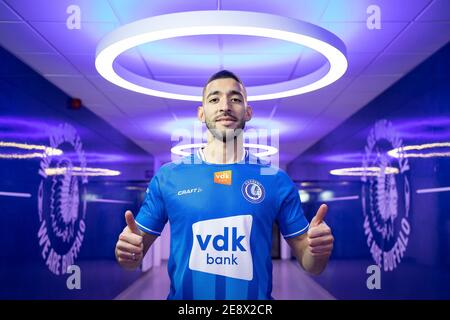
{"type": "Point", "coordinates": [189, 191]}
{"type": "Point", "coordinates": [62, 200]}
{"type": "Point", "coordinates": [385, 197]}
{"type": "Point", "coordinates": [253, 191]}
{"type": "Point", "coordinates": [222, 177]}
{"type": "Point", "coordinates": [222, 246]}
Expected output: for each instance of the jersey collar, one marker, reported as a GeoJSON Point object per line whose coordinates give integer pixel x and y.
{"type": "Point", "coordinates": [201, 155]}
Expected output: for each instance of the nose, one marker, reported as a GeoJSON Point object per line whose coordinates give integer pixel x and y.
{"type": "Point", "coordinates": [224, 106]}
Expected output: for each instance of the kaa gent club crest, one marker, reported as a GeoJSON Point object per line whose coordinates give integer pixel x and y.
{"type": "Point", "coordinates": [385, 197]}
{"type": "Point", "coordinates": [62, 201]}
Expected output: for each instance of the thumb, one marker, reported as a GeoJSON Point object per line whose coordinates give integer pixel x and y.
{"type": "Point", "coordinates": [131, 223]}
{"type": "Point", "coordinates": [320, 215]}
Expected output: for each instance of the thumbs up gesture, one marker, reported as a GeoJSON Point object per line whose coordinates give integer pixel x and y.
{"type": "Point", "coordinates": [320, 239]}
{"type": "Point", "coordinates": [130, 247]}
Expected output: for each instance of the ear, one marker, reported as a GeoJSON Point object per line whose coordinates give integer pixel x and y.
{"type": "Point", "coordinates": [248, 113]}
{"type": "Point", "coordinates": [201, 114]}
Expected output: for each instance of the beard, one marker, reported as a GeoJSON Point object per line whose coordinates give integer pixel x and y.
{"type": "Point", "coordinates": [225, 134]}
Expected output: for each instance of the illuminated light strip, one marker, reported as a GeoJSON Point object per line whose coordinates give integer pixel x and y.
{"type": "Point", "coordinates": [108, 201]}
{"type": "Point", "coordinates": [341, 199]}
{"type": "Point", "coordinates": [47, 151]}
{"type": "Point", "coordinates": [313, 189]}
{"type": "Point", "coordinates": [221, 22]}
{"type": "Point", "coordinates": [178, 150]}
{"type": "Point", "coordinates": [433, 190]}
{"type": "Point", "coordinates": [15, 194]}
{"type": "Point", "coordinates": [400, 152]}
{"type": "Point", "coordinates": [22, 156]}
{"type": "Point", "coordinates": [135, 188]}
{"type": "Point", "coordinates": [304, 196]}
{"type": "Point", "coordinates": [77, 171]}
{"type": "Point", "coordinates": [361, 171]}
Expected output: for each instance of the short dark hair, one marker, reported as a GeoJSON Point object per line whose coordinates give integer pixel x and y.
{"type": "Point", "coordinates": [222, 74]}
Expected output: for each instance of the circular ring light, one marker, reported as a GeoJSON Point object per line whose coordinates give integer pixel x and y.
{"type": "Point", "coordinates": [46, 151]}
{"type": "Point", "coordinates": [361, 171]}
{"type": "Point", "coordinates": [401, 152]}
{"type": "Point", "coordinates": [220, 22]}
{"type": "Point", "coordinates": [178, 150]}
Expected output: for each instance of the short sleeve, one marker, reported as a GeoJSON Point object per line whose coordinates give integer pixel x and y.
{"type": "Point", "coordinates": [152, 216]}
{"type": "Point", "coordinates": [290, 218]}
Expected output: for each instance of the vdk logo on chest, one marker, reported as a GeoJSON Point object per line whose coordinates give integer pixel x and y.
{"type": "Point", "coordinates": [222, 246]}
{"type": "Point", "coordinates": [221, 243]}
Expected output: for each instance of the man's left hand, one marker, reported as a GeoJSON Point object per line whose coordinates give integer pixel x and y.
{"type": "Point", "coordinates": [320, 239]}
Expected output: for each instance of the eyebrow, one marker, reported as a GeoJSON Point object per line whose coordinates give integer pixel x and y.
{"type": "Point", "coordinates": [231, 92]}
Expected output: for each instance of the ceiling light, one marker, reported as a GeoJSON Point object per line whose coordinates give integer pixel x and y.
{"type": "Point", "coordinates": [77, 171]}
{"type": "Point", "coordinates": [362, 171]}
{"type": "Point", "coordinates": [220, 22]}
{"type": "Point", "coordinates": [401, 152]}
{"type": "Point", "coordinates": [45, 151]}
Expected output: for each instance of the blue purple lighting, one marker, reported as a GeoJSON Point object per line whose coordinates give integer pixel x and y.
{"type": "Point", "coordinates": [14, 130]}
{"type": "Point", "coordinates": [99, 157]}
{"type": "Point", "coordinates": [350, 157]}
{"type": "Point", "coordinates": [433, 128]}
{"type": "Point", "coordinates": [344, 157]}
{"type": "Point", "coordinates": [17, 128]}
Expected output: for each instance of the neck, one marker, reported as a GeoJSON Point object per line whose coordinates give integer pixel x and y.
{"type": "Point", "coordinates": [217, 151]}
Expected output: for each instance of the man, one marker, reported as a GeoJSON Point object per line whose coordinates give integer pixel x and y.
{"type": "Point", "coordinates": [221, 211]}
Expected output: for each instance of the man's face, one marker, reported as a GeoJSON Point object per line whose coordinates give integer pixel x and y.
{"type": "Point", "coordinates": [225, 109]}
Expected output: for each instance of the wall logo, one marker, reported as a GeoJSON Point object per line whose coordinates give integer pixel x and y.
{"type": "Point", "coordinates": [222, 246]}
{"type": "Point", "coordinates": [385, 198]}
{"type": "Point", "coordinates": [253, 191]}
{"type": "Point", "coordinates": [62, 201]}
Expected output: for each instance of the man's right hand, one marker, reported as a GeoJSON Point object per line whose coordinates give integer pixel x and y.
{"type": "Point", "coordinates": [130, 246]}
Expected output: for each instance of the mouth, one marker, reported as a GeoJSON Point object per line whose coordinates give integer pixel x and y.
{"type": "Point", "coordinates": [225, 119]}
